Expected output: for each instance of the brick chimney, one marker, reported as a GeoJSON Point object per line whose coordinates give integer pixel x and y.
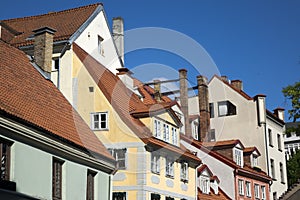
{"type": "Point", "coordinates": [203, 107]}
{"type": "Point", "coordinates": [118, 35]}
{"type": "Point", "coordinates": [224, 78]}
{"type": "Point", "coordinates": [157, 94]}
{"type": "Point", "coordinates": [279, 112]}
{"type": "Point", "coordinates": [237, 84]}
{"type": "Point", "coordinates": [43, 48]}
{"type": "Point", "coordinates": [184, 101]}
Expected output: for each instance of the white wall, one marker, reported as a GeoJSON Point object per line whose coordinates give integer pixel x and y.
{"type": "Point", "coordinates": [218, 168]}
{"type": "Point", "coordinates": [88, 40]}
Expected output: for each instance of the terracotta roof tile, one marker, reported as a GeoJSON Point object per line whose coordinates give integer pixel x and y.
{"type": "Point", "coordinates": [220, 196]}
{"type": "Point", "coordinates": [224, 143]}
{"type": "Point", "coordinates": [249, 150]}
{"type": "Point", "coordinates": [124, 102]}
{"type": "Point", "coordinates": [27, 96]}
{"type": "Point", "coordinates": [64, 22]}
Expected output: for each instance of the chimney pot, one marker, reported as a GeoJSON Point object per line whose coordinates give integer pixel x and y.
{"type": "Point", "coordinates": [224, 78]}
{"type": "Point", "coordinates": [43, 48]}
{"type": "Point", "coordinates": [279, 112]}
{"type": "Point", "coordinates": [237, 84]}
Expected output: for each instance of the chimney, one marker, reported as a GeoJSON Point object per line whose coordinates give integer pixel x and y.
{"type": "Point", "coordinates": [118, 35]}
{"type": "Point", "coordinates": [237, 84]}
{"type": "Point", "coordinates": [184, 101]}
{"type": "Point", "coordinates": [279, 112]}
{"type": "Point", "coordinates": [261, 108]}
{"type": "Point", "coordinates": [224, 78]}
{"type": "Point", "coordinates": [203, 107]}
{"type": "Point", "coordinates": [43, 48]}
{"type": "Point", "coordinates": [157, 94]}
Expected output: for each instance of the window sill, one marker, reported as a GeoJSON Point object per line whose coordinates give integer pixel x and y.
{"type": "Point", "coordinates": [170, 176]}
{"type": "Point", "coordinates": [271, 145]}
{"type": "Point", "coordinates": [280, 150]}
{"type": "Point", "coordinates": [157, 173]}
{"type": "Point", "coordinates": [282, 182]}
{"type": "Point", "coordinates": [274, 179]}
{"type": "Point", "coordinates": [184, 180]}
{"type": "Point", "coordinates": [103, 129]}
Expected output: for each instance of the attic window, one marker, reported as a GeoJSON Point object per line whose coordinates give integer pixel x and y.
{"type": "Point", "coordinates": [99, 121]}
{"type": "Point", "coordinates": [204, 184]}
{"type": "Point", "coordinates": [238, 156]}
{"type": "Point", "coordinates": [100, 45]}
{"type": "Point", "coordinates": [226, 108]}
{"type": "Point", "coordinates": [254, 160]}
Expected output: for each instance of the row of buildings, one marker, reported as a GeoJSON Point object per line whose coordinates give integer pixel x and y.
{"type": "Point", "coordinates": [76, 124]}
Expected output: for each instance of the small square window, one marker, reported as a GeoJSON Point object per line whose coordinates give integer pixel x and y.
{"type": "Point", "coordinates": [226, 108]}
{"type": "Point", "coordinates": [120, 156]}
{"type": "Point", "coordinates": [100, 121]}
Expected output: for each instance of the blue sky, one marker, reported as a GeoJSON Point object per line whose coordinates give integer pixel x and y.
{"type": "Point", "coordinates": [255, 41]}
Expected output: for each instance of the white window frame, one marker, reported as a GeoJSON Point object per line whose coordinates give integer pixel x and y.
{"type": "Point", "coordinates": [256, 191]}
{"type": "Point", "coordinates": [241, 187]}
{"type": "Point", "coordinates": [254, 160]}
{"type": "Point", "coordinates": [204, 184]}
{"type": "Point", "coordinates": [184, 171]}
{"type": "Point", "coordinates": [114, 153]}
{"type": "Point", "coordinates": [169, 167]}
{"type": "Point", "coordinates": [238, 157]}
{"type": "Point", "coordinates": [166, 133]}
{"type": "Point", "coordinates": [93, 122]}
{"type": "Point", "coordinates": [174, 136]}
{"type": "Point", "coordinates": [248, 189]}
{"type": "Point", "coordinates": [263, 193]}
{"type": "Point", "coordinates": [157, 128]}
{"type": "Point", "coordinates": [195, 130]}
{"type": "Point", "coordinates": [155, 163]}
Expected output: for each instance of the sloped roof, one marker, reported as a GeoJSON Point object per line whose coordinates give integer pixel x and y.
{"type": "Point", "coordinates": [246, 170]}
{"type": "Point", "coordinates": [35, 101]}
{"type": "Point", "coordinates": [220, 196]}
{"type": "Point", "coordinates": [124, 102]}
{"type": "Point", "coordinates": [66, 23]}
{"type": "Point", "coordinates": [250, 150]}
{"type": "Point", "coordinates": [221, 144]}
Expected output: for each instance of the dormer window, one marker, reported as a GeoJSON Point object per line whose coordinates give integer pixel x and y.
{"type": "Point", "coordinates": [254, 161]}
{"type": "Point", "coordinates": [238, 157]}
{"type": "Point", "coordinates": [157, 128]}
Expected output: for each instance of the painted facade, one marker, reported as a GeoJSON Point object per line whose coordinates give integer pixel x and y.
{"type": "Point", "coordinates": [47, 150]}
{"type": "Point", "coordinates": [234, 114]}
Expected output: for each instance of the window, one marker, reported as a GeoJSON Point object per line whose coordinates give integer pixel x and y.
{"type": "Point", "coordinates": [204, 184]}
{"type": "Point", "coordinates": [90, 185]}
{"type": "Point", "coordinates": [195, 130]}
{"type": "Point", "coordinates": [256, 191]}
{"type": "Point", "coordinates": [5, 159]}
{"type": "Point", "coordinates": [263, 192]}
{"type": "Point", "coordinates": [254, 161]}
{"type": "Point", "coordinates": [279, 142]}
{"type": "Point", "coordinates": [155, 163]}
{"type": "Point", "coordinates": [157, 128]}
{"type": "Point", "coordinates": [226, 108]}
{"type": "Point", "coordinates": [270, 137]}
{"type": "Point", "coordinates": [211, 135]}
{"type": "Point", "coordinates": [166, 136]}
{"type": "Point", "coordinates": [169, 167]}
{"type": "Point", "coordinates": [211, 110]}
{"type": "Point", "coordinates": [100, 47]}
{"type": "Point", "coordinates": [184, 176]}
{"type": "Point", "coordinates": [55, 64]}
{"type": "Point", "coordinates": [155, 196]}
{"type": "Point", "coordinates": [119, 195]}
{"type": "Point", "coordinates": [100, 121]}
{"type": "Point", "coordinates": [281, 172]}
{"type": "Point", "coordinates": [274, 195]}
{"type": "Point", "coordinates": [272, 169]}
{"type": "Point", "coordinates": [57, 179]}
{"type": "Point", "coordinates": [248, 189]}
{"type": "Point", "coordinates": [238, 156]}
{"type": "Point", "coordinates": [241, 187]}
{"type": "Point", "coordinates": [169, 198]}
{"type": "Point", "coordinates": [174, 135]}
{"type": "Point", "coordinates": [120, 156]}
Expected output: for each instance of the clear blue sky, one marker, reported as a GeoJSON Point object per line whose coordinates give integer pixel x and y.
{"type": "Point", "coordinates": [253, 40]}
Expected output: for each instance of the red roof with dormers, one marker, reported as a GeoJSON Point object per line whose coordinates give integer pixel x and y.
{"type": "Point", "coordinates": [29, 98]}
{"type": "Point", "coordinates": [65, 22]}
{"type": "Point", "coordinates": [212, 196]}
{"type": "Point", "coordinates": [125, 102]}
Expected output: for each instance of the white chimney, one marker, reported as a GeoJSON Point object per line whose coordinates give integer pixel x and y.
{"type": "Point", "coordinates": [118, 35]}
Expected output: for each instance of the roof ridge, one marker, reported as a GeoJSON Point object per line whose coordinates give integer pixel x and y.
{"type": "Point", "coordinates": [51, 13]}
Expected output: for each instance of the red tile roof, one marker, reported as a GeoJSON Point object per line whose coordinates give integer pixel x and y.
{"type": "Point", "coordinates": [31, 99]}
{"type": "Point", "coordinates": [125, 102]}
{"type": "Point", "coordinates": [220, 196]}
{"type": "Point", "coordinates": [250, 150]}
{"type": "Point", "coordinates": [246, 170]}
{"type": "Point", "coordinates": [221, 144]}
{"type": "Point", "coordinates": [66, 23]}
